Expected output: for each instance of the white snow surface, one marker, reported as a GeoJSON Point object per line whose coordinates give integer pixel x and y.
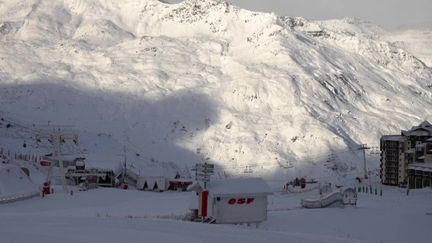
{"type": "Point", "coordinates": [254, 186]}
{"type": "Point", "coordinates": [114, 215]}
{"type": "Point", "coordinates": [205, 81]}
{"type": "Point", "coordinates": [416, 40]}
{"type": "Point", "coordinates": [14, 182]}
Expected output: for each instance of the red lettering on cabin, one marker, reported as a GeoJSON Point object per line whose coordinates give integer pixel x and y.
{"type": "Point", "coordinates": [232, 201]}
{"type": "Point", "coordinates": [240, 201]}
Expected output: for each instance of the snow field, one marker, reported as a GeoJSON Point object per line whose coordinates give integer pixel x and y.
{"type": "Point", "coordinates": [113, 214]}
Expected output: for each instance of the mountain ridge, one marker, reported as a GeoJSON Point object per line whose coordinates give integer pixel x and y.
{"type": "Point", "coordinates": [271, 87]}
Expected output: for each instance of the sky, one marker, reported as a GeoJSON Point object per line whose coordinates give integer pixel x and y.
{"type": "Point", "coordinates": [389, 14]}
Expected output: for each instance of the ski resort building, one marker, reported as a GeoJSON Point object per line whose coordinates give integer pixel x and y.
{"type": "Point", "coordinates": [238, 201]}
{"type": "Point", "coordinates": [406, 152]}
{"type": "Point", "coordinates": [179, 184]}
{"type": "Point", "coordinates": [419, 175]}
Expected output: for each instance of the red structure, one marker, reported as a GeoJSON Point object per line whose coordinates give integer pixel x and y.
{"type": "Point", "coordinates": [45, 163]}
{"type": "Point", "coordinates": [204, 203]}
{"type": "Point", "coordinates": [46, 189]}
{"type": "Point", "coordinates": [179, 184]}
{"type": "Point", "coordinates": [302, 183]}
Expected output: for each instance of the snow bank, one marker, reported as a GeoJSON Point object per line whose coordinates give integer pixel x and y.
{"type": "Point", "coordinates": [14, 183]}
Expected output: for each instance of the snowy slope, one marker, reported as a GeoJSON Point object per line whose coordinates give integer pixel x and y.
{"type": "Point", "coordinates": [113, 215]}
{"type": "Point", "coordinates": [205, 80]}
{"type": "Point", "coordinates": [417, 40]}
{"type": "Point", "coordinates": [14, 182]}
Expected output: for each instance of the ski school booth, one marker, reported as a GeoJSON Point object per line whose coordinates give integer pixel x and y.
{"type": "Point", "coordinates": [236, 201]}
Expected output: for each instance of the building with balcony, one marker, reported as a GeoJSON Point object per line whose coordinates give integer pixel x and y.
{"type": "Point", "coordinates": [399, 154]}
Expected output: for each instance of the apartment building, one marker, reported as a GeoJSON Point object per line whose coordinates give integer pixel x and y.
{"type": "Point", "coordinates": [399, 154]}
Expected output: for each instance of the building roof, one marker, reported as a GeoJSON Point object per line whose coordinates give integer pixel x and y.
{"type": "Point", "coordinates": [427, 167]}
{"type": "Point", "coordinates": [425, 124]}
{"type": "Point", "coordinates": [423, 129]}
{"type": "Point", "coordinates": [239, 186]}
{"type": "Point", "coordinates": [399, 138]}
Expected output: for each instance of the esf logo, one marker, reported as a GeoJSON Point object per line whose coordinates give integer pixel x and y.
{"type": "Point", "coordinates": [233, 201]}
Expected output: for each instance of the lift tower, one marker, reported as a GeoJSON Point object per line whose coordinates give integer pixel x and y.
{"type": "Point", "coordinates": [56, 137]}
{"type": "Point", "coordinates": [364, 147]}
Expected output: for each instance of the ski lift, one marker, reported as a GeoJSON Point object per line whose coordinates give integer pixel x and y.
{"type": "Point", "coordinates": [285, 165]}
{"type": "Point", "coordinates": [248, 170]}
{"type": "Point", "coordinates": [75, 139]}
{"type": "Point", "coordinates": [331, 158]}
{"type": "Point", "coordinates": [375, 150]}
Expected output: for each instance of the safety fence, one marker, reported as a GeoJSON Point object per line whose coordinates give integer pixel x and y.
{"type": "Point", "coordinates": [369, 190]}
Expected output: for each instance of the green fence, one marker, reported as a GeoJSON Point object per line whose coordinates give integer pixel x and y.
{"type": "Point", "coordinates": [369, 190]}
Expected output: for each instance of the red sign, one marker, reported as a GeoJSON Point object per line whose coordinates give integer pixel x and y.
{"type": "Point", "coordinates": [233, 201]}
{"type": "Point", "coordinates": [45, 163]}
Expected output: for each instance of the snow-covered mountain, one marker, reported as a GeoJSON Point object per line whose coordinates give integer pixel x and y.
{"type": "Point", "coordinates": [416, 40]}
{"type": "Point", "coordinates": [205, 80]}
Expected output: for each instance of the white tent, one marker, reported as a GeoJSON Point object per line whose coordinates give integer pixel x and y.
{"type": "Point", "coordinates": [153, 178]}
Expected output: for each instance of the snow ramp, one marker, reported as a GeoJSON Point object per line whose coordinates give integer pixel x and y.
{"type": "Point", "coordinates": [334, 199]}
{"type": "Point", "coordinates": [346, 196]}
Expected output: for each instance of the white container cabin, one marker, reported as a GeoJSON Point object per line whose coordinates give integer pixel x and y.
{"type": "Point", "coordinates": [238, 201]}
